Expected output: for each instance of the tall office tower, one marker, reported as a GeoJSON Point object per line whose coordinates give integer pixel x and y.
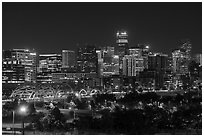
{"type": "Point", "coordinates": [100, 62]}
{"type": "Point", "coordinates": [180, 62]}
{"type": "Point", "coordinates": [48, 64]}
{"type": "Point", "coordinates": [87, 61]}
{"type": "Point", "coordinates": [68, 59]}
{"type": "Point", "coordinates": [176, 60]}
{"type": "Point", "coordinates": [28, 59]}
{"type": "Point", "coordinates": [108, 65]}
{"type": "Point", "coordinates": [108, 62]}
{"type": "Point", "coordinates": [186, 47]}
{"type": "Point", "coordinates": [13, 71]}
{"type": "Point", "coordinates": [158, 63]}
{"type": "Point", "coordinates": [115, 64]}
{"type": "Point", "coordinates": [141, 51]}
{"type": "Point", "coordinates": [132, 65]}
{"type": "Point", "coordinates": [122, 45]}
{"type": "Point", "coordinates": [181, 58]}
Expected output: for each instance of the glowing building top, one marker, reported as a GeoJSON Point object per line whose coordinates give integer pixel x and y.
{"type": "Point", "coordinates": [121, 38]}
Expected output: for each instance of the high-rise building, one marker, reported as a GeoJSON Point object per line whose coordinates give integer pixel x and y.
{"type": "Point", "coordinates": [13, 71]}
{"type": "Point", "coordinates": [132, 65]}
{"type": "Point", "coordinates": [48, 64]}
{"type": "Point", "coordinates": [186, 47]}
{"type": "Point", "coordinates": [108, 61]}
{"type": "Point", "coordinates": [68, 59]}
{"type": "Point", "coordinates": [87, 61]}
{"type": "Point", "coordinates": [181, 58]}
{"type": "Point", "coordinates": [135, 51]}
{"type": "Point", "coordinates": [122, 46]}
{"type": "Point", "coordinates": [158, 61]}
{"type": "Point", "coordinates": [25, 58]}
{"type": "Point", "coordinates": [115, 64]}
{"type": "Point", "coordinates": [141, 51]}
{"type": "Point", "coordinates": [158, 64]}
{"type": "Point", "coordinates": [145, 52]}
{"type": "Point", "coordinates": [180, 61]}
{"type": "Point", "coordinates": [99, 53]}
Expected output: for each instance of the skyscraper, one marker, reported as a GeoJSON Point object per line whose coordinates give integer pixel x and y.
{"type": "Point", "coordinates": [99, 53]}
{"type": "Point", "coordinates": [13, 71]}
{"type": "Point", "coordinates": [23, 57]}
{"type": "Point", "coordinates": [181, 58]}
{"type": "Point", "coordinates": [132, 65]}
{"type": "Point", "coordinates": [48, 64]}
{"type": "Point", "coordinates": [108, 62]}
{"type": "Point", "coordinates": [122, 46]}
{"type": "Point", "coordinates": [87, 61]}
{"type": "Point", "coordinates": [158, 63]}
{"type": "Point", "coordinates": [186, 46]}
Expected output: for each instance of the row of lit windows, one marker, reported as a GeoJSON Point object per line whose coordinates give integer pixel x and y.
{"type": "Point", "coordinates": [12, 81]}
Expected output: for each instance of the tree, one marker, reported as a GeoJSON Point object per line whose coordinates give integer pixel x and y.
{"type": "Point", "coordinates": [54, 120]}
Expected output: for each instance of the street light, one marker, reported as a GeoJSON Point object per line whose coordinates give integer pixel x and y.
{"type": "Point", "coordinates": [77, 94]}
{"type": "Point", "coordinates": [23, 111]}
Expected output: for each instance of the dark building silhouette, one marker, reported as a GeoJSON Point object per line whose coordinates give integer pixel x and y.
{"type": "Point", "coordinates": [156, 74]}
{"type": "Point", "coordinates": [87, 59]}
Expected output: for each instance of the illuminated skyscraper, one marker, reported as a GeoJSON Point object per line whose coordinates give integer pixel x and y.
{"type": "Point", "coordinates": [122, 45]}
{"type": "Point", "coordinates": [186, 47]}
{"type": "Point", "coordinates": [12, 69]}
{"type": "Point", "coordinates": [132, 65]}
{"type": "Point", "coordinates": [177, 59]}
{"type": "Point", "coordinates": [99, 53]}
{"type": "Point", "coordinates": [48, 64]}
{"type": "Point", "coordinates": [115, 64]}
{"type": "Point", "coordinates": [23, 57]}
{"type": "Point", "coordinates": [108, 65]}
{"type": "Point", "coordinates": [181, 58]}
{"type": "Point", "coordinates": [108, 61]}
{"type": "Point", "coordinates": [141, 51]}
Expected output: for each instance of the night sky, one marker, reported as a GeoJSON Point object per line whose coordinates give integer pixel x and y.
{"type": "Point", "coordinates": [51, 27]}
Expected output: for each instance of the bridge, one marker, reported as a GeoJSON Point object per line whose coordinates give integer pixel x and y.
{"type": "Point", "coordinates": [49, 91]}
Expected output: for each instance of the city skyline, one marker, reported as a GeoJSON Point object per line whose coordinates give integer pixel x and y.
{"type": "Point", "coordinates": [102, 68]}
{"type": "Point", "coordinates": [52, 27]}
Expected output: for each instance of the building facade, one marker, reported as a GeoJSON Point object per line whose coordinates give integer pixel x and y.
{"type": "Point", "coordinates": [48, 64]}
{"type": "Point", "coordinates": [122, 47]}
{"type": "Point", "coordinates": [68, 59]}
{"type": "Point", "coordinates": [87, 61]}
{"type": "Point", "coordinates": [23, 58]}
{"type": "Point", "coordinates": [132, 65]}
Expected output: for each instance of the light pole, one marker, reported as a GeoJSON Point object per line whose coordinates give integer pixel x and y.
{"type": "Point", "coordinates": [23, 110]}
{"type": "Point", "coordinates": [13, 121]}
